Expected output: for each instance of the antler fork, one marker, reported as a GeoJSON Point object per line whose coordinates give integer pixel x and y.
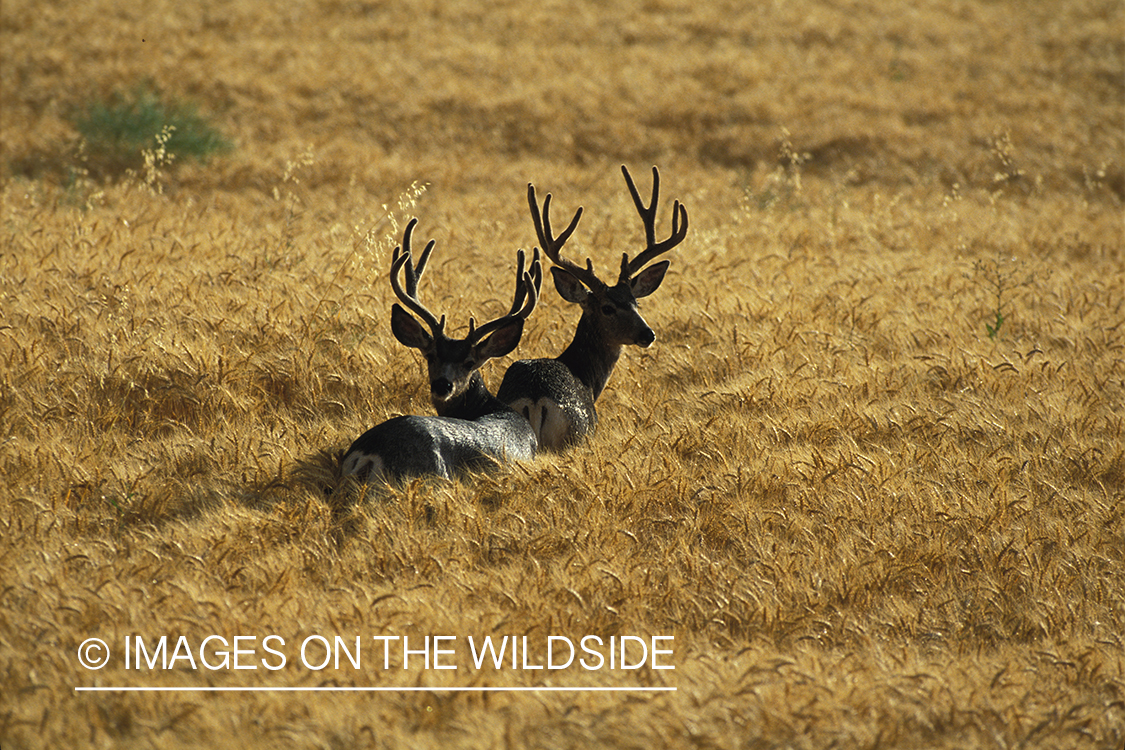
{"type": "Point", "coordinates": [409, 295]}
{"type": "Point", "coordinates": [553, 245]}
{"type": "Point", "coordinates": [629, 268]}
{"type": "Point", "coordinates": [525, 298]}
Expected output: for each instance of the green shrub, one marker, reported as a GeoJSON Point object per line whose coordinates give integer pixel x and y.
{"type": "Point", "coordinates": [119, 130]}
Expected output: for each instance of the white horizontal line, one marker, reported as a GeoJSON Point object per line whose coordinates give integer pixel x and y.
{"type": "Point", "coordinates": [371, 689]}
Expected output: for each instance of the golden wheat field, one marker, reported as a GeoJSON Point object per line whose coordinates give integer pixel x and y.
{"type": "Point", "coordinates": [866, 490]}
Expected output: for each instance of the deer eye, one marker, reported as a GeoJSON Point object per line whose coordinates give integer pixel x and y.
{"type": "Point", "coordinates": [608, 309]}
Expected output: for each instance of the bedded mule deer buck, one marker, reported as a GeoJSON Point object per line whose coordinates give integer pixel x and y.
{"type": "Point", "coordinates": [473, 430]}
{"type": "Point", "coordinates": [557, 395]}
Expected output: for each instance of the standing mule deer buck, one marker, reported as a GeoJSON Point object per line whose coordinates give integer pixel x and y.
{"type": "Point", "coordinates": [473, 430]}
{"type": "Point", "coordinates": [557, 395]}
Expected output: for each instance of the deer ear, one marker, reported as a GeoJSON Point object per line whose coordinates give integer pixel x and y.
{"type": "Point", "coordinates": [648, 281]}
{"type": "Point", "coordinates": [569, 288]}
{"type": "Point", "coordinates": [409, 331]}
{"type": "Point", "coordinates": [500, 342]}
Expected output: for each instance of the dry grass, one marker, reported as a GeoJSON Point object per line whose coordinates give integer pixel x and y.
{"type": "Point", "coordinates": [866, 521]}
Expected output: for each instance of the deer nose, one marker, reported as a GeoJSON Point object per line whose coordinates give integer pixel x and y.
{"type": "Point", "coordinates": [441, 387]}
{"type": "Point", "coordinates": [645, 338]}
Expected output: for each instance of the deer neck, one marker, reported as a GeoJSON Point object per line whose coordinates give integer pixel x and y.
{"type": "Point", "coordinates": [590, 356]}
{"type": "Point", "coordinates": [474, 403]}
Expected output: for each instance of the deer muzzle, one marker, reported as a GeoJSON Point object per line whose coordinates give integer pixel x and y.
{"type": "Point", "coordinates": [441, 388]}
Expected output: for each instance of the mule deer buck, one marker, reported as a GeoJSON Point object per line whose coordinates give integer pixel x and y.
{"type": "Point", "coordinates": [557, 395]}
{"type": "Point", "coordinates": [473, 430]}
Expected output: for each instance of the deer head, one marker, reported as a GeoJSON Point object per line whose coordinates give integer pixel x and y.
{"type": "Point", "coordinates": [612, 310]}
{"type": "Point", "coordinates": [451, 363]}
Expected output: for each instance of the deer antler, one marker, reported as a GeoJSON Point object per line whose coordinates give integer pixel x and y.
{"type": "Point", "coordinates": [629, 268]}
{"type": "Point", "coordinates": [409, 295]}
{"type": "Point", "coordinates": [526, 297]}
{"type": "Point", "coordinates": [552, 245]}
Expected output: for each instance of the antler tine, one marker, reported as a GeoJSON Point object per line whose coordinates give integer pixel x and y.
{"type": "Point", "coordinates": [535, 272]}
{"type": "Point", "coordinates": [414, 273]}
{"type": "Point", "coordinates": [524, 300]}
{"type": "Point", "coordinates": [409, 295]}
{"type": "Point", "coordinates": [648, 218]}
{"type": "Point", "coordinates": [553, 245]}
